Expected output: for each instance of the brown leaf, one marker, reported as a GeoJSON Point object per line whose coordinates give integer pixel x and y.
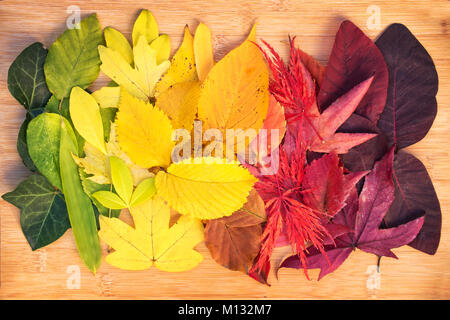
{"type": "Point", "coordinates": [234, 241]}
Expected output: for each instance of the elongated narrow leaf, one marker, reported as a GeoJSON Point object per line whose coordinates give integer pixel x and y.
{"type": "Point", "coordinates": [355, 58]}
{"type": "Point", "coordinates": [43, 212]}
{"type": "Point", "coordinates": [109, 199]}
{"type": "Point", "coordinates": [73, 58]}
{"type": "Point", "coordinates": [413, 83]}
{"type": "Point", "coordinates": [121, 179]}
{"type": "Point", "coordinates": [205, 189]}
{"type": "Point", "coordinates": [203, 51]}
{"type": "Point", "coordinates": [26, 80]}
{"type": "Point", "coordinates": [414, 196]}
{"type": "Point", "coordinates": [144, 191]}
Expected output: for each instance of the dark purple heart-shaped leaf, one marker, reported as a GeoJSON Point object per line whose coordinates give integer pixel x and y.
{"type": "Point", "coordinates": [414, 195]}
{"type": "Point", "coordinates": [413, 83]}
{"type": "Point", "coordinates": [355, 58]}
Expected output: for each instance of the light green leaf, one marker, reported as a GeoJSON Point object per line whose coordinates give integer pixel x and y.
{"type": "Point", "coordinates": [121, 179]}
{"type": "Point", "coordinates": [73, 58]}
{"type": "Point", "coordinates": [109, 199]}
{"type": "Point", "coordinates": [144, 191]}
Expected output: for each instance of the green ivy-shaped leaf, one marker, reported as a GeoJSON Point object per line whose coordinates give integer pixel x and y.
{"type": "Point", "coordinates": [73, 58]}
{"type": "Point", "coordinates": [26, 80]}
{"type": "Point", "coordinates": [43, 212]}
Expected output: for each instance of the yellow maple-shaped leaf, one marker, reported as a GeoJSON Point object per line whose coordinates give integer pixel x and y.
{"type": "Point", "coordinates": [144, 132]}
{"type": "Point", "coordinates": [182, 66]}
{"type": "Point", "coordinates": [117, 41]}
{"type": "Point", "coordinates": [86, 117]}
{"type": "Point", "coordinates": [235, 93]}
{"type": "Point", "coordinates": [179, 103]}
{"type": "Point", "coordinates": [96, 164]}
{"type": "Point", "coordinates": [145, 25]}
{"type": "Point", "coordinates": [151, 241]}
{"type": "Point", "coordinates": [205, 188]}
{"type": "Point", "coordinates": [203, 51]}
{"type": "Point", "coordinates": [140, 81]}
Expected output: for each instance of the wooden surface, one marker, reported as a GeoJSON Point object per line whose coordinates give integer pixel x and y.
{"type": "Point", "coordinates": [46, 272]}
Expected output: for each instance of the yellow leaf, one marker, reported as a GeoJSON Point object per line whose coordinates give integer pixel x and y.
{"type": "Point", "coordinates": [117, 41]}
{"type": "Point", "coordinates": [151, 241]}
{"type": "Point", "coordinates": [182, 67]}
{"type": "Point", "coordinates": [86, 117]}
{"type": "Point", "coordinates": [96, 163]}
{"type": "Point", "coordinates": [144, 132]}
{"type": "Point", "coordinates": [203, 50]}
{"type": "Point", "coordinates": [145, 25]}
{"type": "Point", "coordinates": [209, 189]}
{"type": "Point", "coordinates": [139, 81]}
{"type": "Point", "coordinates": [162, 47]}
{"type": "Point", "coordinates": [179, 103]}
{"type": "Point", "coordinates": [107, 97]}
{"type": "Point", "coordinates": [235, 93]}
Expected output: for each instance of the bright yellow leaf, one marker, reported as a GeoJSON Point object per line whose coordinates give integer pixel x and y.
{"type": "Point", "coordinates": [117, 41]}
{"type": "Point", "coordinates": [182, 66]}
{"type": "Point", "coordinates": [235, 93]}
{"type": "Point", "coordinates": [96, 163]}
{"type": "Point", "coordinates": [203, 50]}
{"type": "Point", "coordinates": [86, 117]}
{"type": "Point", "coordinates": [205, 190]}
{"type": "Point", "coordinates": [179, 103]}
{"type": "Point", "coordinates": [107, 97]}
{"type": "Point", "coordinates": [151, 241]}
{"type": "Point", "coordinates": [145, 25]}
{"type": "Point", "coordinates": [144, 132]}
{"type": "Point", "coordinates": [162, 47]}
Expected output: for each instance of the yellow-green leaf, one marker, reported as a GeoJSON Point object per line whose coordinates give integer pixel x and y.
{"type": "Point", "coordinates": [203, 50]}
{"type": "Point", "coordinates": [117, 41]}
{"type": "Point", "coordinates": [151, 241]}
{"type": "Point", "coordinates": [179, 103]}
{"type": "Point", "coordinates": [205, 188]}
{"type": "Point", "coordinates": [86, 117]}
{"type": "Point", "coordinates": [162, 47]}
{"type": "Point", "coordinates": [235, 93]}
{"type": "Point", "coordinates": [109, 200]}
{"type": "Point", "coordinates": [182, 67]}
{"type": "Point", "coordinates": [144, 191]}
{"type": "Point", "coordinates": [144, 132]}
{"type": "Point", "coordinates": [121, 179]}
{"type": "Point", "coordinates": [107, 97]}
{"type": "Point", "coordinates": [145, 25]}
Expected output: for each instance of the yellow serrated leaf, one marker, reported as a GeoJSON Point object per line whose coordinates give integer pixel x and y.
{"type": "Point", "coordinates": [151, 241]}
{"type": "Point", "coordinates": [86, 117]}
{"type": "Point", "coordinates": [107, 97]}
{"type": "Point", "coordinates": [144, 132]}
{"type": "Point", "coordinates": [182, 66]}
{"type": "Point", "coordinates": [96, 163]}
{"type": "Point", "coordinates": [162, 47]}
{"type": "Point", "coordinates": [235, 93]}
{"type": "Point", "coordinates": [203, 50]}
{"type": "Point", "coordinates": [145, 25]}
{"type": "Point", "coordinates": [117, 41]}
{"type": "Point", "coordinates": [205, 190]}
{"type": "Point", "coordinates": [179, 103]}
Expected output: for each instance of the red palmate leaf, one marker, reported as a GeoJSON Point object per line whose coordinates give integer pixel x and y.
{"type": "Point", "coordinates": [353, 59]}
{"type": "Point", "coordinates": [364, 215]}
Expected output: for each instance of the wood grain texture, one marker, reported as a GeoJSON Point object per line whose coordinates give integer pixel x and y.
{"type": "Point", "coordinates": [46, 273]}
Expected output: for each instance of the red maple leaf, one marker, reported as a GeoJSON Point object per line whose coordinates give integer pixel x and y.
{"type": "Point", "coordinates": [363, 216]}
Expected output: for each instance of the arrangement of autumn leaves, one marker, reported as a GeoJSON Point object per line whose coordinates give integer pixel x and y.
{"type": "Point", "coordinates": [340, 181]}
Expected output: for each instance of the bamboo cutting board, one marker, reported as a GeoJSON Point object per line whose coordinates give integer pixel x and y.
{"type": "Point", "coordinates": [56, 272]}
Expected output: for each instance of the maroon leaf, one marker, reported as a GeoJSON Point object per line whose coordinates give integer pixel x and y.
{"type": "Point", "coordinates": [413, 83]}
{"type": "Point", "coordinates": [353, 59]}
{"type": "Point", "coordinates": [415, 195]}
{"type": "Point", "coordinates": [364, 215]}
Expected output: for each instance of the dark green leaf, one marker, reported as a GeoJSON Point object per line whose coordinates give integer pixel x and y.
{"type": "Point", "coordinates": [43, 212]}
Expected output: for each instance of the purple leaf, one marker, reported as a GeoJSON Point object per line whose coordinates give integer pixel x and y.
{"type": "Point", "coordinates": [413, 83]}
{"type": "Point", "coordinates": [415, 195]}
{"type": "Point", "coordinates": [353, 59]}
